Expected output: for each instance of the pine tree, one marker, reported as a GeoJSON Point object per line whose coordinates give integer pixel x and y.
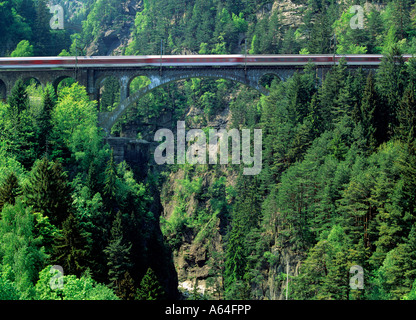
{"type": "Point", "coordinates": [18, 99]}
{"type": "Point", "coordinates": [332, 109]}
{"type": "Point", "coordinates": [110, 95]}
{"type": "Point", "coordinates": [44, 120]}
{"type": "Point", "coordinates": [48, 191]}
{"type": "Point", "coordinates": [118, 255]}
{"type": "Point", "coordinates": [93, 182]}
{"type": "Point", "coordinates": [127, 290]}
{"type": "Point", "coordinates": [390, 85]}
{"type": "Point", "coordinates": [9, 190]}
{"type": "Point", "coordinates": [370, 113]}
{"type": "Point", "coordinates": [401, 18]}
{"type": "Point", "coordinates": [320, 35]}
{"type": "Point", "coordinates": [244, 223]}
{"type": "Point", "coordinates": [406, 114]}
{"type": "Point", "coordinates": [110, 185]}
{"type": "Point", "coordinates": [41, 28]}
{"type": "Point", "coordinates": [150, 288]}
{"type": "Point", "coordinates": [71, 249]}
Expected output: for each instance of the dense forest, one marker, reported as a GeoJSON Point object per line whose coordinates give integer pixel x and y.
{"type": "Point", "coordinates": [338, 183]}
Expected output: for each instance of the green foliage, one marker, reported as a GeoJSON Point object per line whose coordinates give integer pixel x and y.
{"type": "Point", "coordinates": [150, 288]}
{"type": "Point", "coordinates": [337, 187]}
{"type": "Point", "coordinates": [71, 247]}
{"type": "Point", "coordinates": [9, 190]}
{"type": "Point", "coordinates": [48, 192]}
{"type": "Point", "coordinates": [74, 288]}
{"type": "Point", "coordinates": [118, 255]}
{"type": "Point", "coordinates": [8, 290]}
{"type": "Point", "coordinates": [75, 130]}
{"type": "Point", "coordinates": [20, 248]}
{"type": "Point", "coordinates": [23, 49]}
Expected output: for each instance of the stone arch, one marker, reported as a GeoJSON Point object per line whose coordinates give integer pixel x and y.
{"type": "Point", "coordinates": [34, 88]}
{"type": "Point", "coordinates": [108, 91]}
{"type": "Point", "coordinates": [65, 80]}
{"type": "Point", "coordinates": [30, 80]}
{"type": "Point", "coordinates": [267, 78]}
{"type": "Point", "coordinates": [136, 82]}
{"type": "Point", "coordinates": [157, 79]}
{"type": "Point", "coordinates": [3, 91]}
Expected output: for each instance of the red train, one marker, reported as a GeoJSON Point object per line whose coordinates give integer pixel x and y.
{"type": "Point", "coordinates": [187, 60]}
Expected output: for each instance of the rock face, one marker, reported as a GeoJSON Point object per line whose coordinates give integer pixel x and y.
{"type": "Point", "coordinates": [197, 259]}
{"type": "Point", "coordinates": [290, 12]}
{"type": "Point", "coordinates": [194, 260]}
{"type": "Point", "coordinates": [113, 41]}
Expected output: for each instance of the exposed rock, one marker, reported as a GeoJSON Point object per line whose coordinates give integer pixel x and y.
{"type": "Point", "coordinates": [113, 41]}
{"type": "Point", "coordinates": [290, 12]}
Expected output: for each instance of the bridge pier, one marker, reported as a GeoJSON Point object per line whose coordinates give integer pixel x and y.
{"type": "Point", "coordinates": [134, 151]}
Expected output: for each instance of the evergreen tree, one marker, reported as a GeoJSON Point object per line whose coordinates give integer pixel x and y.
{"type": "Point", "coordinates": [48, 191]}
{"type": "Point", "coordinates": [93, 182]}
{"type": "Point", "coordinates": [44, 120]}
{"type": "Point", "coordinates": [244, 223]}
{"type": "Point", "coordinates": [9, 190]}
{"type": "Point", "coordinates": [127, 290]}
{"type": "Point", "coordinates": [42, 29]}
{"type": "Point", "coordinates": [319, 42]}
{"type": "Point", "coordinates": [71, 250]}
{"type": "Point", "coordinates": [118, 255]}
{"type": "Point", "coordinates": [391, 84]}
{"type": "Point", "coordinates": [110, 185]}
{"type": "Point", "coordinates": [401, 17]}
{"type": "Point", "coordinates": [371, 116]}
{"type": "Point", "coordinates": [110, 94]}
{"type": "Point", "coordinates": [18, 99]}
{"type": "Point", "coordinates": [333, 105]}
{"type": "Point", "coordinates": [406, 114]}
{"type": "Point", "coordinates": [150, 288]}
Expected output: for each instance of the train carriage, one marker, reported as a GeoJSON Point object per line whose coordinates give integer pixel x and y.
{"type": "Point", "coordinates": [187, 61]}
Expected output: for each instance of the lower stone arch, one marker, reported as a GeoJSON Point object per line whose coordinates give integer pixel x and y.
{"type": "Point", "coordinates": [268, 78]}
{"type": "Point", "coordinates": [3, 91]}
{"type": "Point", "coordinates": [63, 81]}
{"type": "Point", "coordinates": [32, 80]}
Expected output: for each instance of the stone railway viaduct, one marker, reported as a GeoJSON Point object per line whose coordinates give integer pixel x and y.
{"type": "Point", "coordinates": [93, 78]}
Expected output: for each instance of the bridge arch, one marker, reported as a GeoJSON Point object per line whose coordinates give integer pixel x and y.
{"type": "Point", "coordinates": [31, 79]}
{"type": "Point", "coordinates": [157, 79]}
{"type": "Point", "coordinates": [108, 91]}
{"type": "Point", "coordinates": [3, 90]}
{"type": "Point", "coordinates": [136, 82]}
{"type": "Point", "coordinates": [267, 78]}
{"type": "Point", "coordinates": [62, 80]}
